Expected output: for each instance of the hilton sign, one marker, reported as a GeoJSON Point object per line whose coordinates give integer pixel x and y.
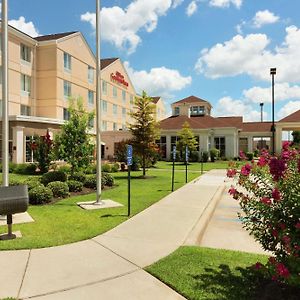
{"type": "Point", "coordinates": [118, 78]}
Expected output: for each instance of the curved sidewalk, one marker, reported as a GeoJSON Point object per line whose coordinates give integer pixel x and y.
{"type": "Point", "coordinates": [110, 266]}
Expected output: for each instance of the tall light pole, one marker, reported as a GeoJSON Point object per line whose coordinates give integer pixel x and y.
{"type": "Point", "coordinates": [98, 104]}
{"type": "Point", "coordinates": [5, 131]}
{"type": "Point", "coordinates": [272, 73]}
{"type": "Point", "coordinates": [261, 120]}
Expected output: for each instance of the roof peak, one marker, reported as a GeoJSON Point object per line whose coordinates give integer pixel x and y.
{"type": "Point", "coordinates": [191, 99]}
{"type": "Point", "coordinates": [54, 36]}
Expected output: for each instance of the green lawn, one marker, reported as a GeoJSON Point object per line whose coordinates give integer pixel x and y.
{"type": "Point", "coordinates": [193, 166]}
{"type": "Point", "coordinates": [64, 222]}
{"type": "Point", "coordinates": [204, 273]}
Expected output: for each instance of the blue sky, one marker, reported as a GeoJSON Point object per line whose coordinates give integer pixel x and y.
{"type": "Point", "coordinates": [218, 50]}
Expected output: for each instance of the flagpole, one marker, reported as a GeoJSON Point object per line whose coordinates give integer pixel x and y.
{"type": "Point", "coordinates": [98, 103]}
{"type": "Point", "coordinates": [5, 131]}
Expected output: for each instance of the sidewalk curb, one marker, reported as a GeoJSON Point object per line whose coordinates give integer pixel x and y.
{"type": "Point", "coordinates": [195, 235]}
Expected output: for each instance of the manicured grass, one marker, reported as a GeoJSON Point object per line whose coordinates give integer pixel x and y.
{"type": "Point", "coordinates": [193, 166]}
{"type": "Point", "coordinates": [204, 273]}
{"type": "Point", "coordinates": [64, 222]}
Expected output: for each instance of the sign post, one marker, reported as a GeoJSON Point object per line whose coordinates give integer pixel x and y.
{"type": "Point", "coordinates": [186, 163]}
{"type": "Point", "coordinates": [201, 153]}
{"type": "Point", "coordinates": [129, 163]}
{"type": "Point", "coordinates": [173, 169]}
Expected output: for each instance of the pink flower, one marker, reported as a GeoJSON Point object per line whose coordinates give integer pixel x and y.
{"type": "Point", "coordinates": [232, 191]}
{"type": "Point", "coordinates": [262, 161]}
{"type": "Point", "coordinates": [246, 169]}
{"type": "Point", "coordinates": [282, 226]}
{"type": "Point", "coordinates": [276, 194]}
{"type": "Point", "coordinates": [285, 145]}
{"type": "Point", "coordinates": [231, 173]}
{"type": "Point", "coordinates": [258, 266]}
{"type": "Point", "coordinates": [297, 225]}
{"type": "Point", "coordinates": [275, 233]}
{"type": "Point", "coordinates": [277, 168]}
{"type": "Point", "coordinates": [286, 239]}
{"type": "Point", "coordinates": [282, 270]}
{"type": "Point", "coordinates": [242, 155]}
{"type": "Point", "coordinates": [272, 260]}
{"type": "Point", "coordinates": [266, 200]}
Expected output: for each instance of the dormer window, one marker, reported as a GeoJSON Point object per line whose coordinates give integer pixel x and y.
{"type": "Point", "coordinates": [197, 110]}
{"type": "Point", "coordinates": [176, 111]}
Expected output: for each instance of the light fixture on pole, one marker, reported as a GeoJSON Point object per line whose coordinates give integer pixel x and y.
{"type": "Point", "coordinates": [273, 73]}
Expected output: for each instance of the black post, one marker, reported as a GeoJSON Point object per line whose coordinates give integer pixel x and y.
{"type": "Point", "coordinates": [273, 72]}
{"type": "Point", "coordinates": [129, 167]}
{"type": "Point", "coordinates": [173, 172]}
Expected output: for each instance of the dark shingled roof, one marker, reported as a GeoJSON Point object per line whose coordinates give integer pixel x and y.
{"type": "Point", "coordinates": [191, 99]}
{"type": "Point", "coordinates": [55, 36]}
{"type": "Point", "coordinates": [294, 117]}
{"type": "Point", "coordinates": [256, 126]}
{"type": "Point", "coordinates": [107, 61]}
{"type": "Point", "coordinates": [155, 99]}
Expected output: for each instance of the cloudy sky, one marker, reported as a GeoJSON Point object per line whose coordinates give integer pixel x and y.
{"type": "Point", "coordinates": [218, 50]}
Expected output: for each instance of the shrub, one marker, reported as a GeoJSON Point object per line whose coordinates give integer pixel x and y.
{"type": "Point", "coordinates": [107, 179]}
{"type": "Point", "coordinates": [33, 182]}
{"type": "Point", "coordinates": [40, 195]}
{"type": "Point", "coordinates": [25, 169]}
{"type": "Point", "coordinates": [269, 195]}
{"type": "Point", "coordinates": [135, 163]}
{"type": "Point", "coordinates": [123, 167]}
{"type": "Point", "coordinates": [256, 153]}
{"type": "Point", "coordinates": [75, 186]}
{"type": "Point", "coordinates": [205, 156]}
{"type": "Point", "coordinates": [250, 155]}
{"type": "Point", "coordinates": [59, 189]}
{"type": "Point", "coordinates": [91, 169]}
{"type": "Point", "coordinates": [78, 176]}
{"type": "Point", "coordinates": [115, 168]}
{"type": "Point", "coordinates": [53, 176]}
{"type": "Point", "coordinates": [106, 168]}
{"type": "Point", "coordinates": [65, 168]}
{"type": "Point", "coordinates": [214, 153]}
{"type": "Point", "coordinates": [194, 156]}
{"type": "Point", "coordinates": [91, 181]}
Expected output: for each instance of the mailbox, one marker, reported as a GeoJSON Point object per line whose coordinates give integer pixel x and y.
{"type": "Point", "coordinates": [13, 199]}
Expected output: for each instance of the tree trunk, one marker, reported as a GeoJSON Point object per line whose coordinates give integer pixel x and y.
{"type": "Point", "coordinates": [144, 164]}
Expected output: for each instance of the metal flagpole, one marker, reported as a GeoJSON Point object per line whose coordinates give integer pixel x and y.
{"type": "Point", "coordinates": [5, 132]}
{"type": "Point", "coordinates": [98, 103]}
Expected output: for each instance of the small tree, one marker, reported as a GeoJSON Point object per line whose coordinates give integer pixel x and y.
{"type": "Point", "coordinates": [145, 129]}
{"type": "Point", "coordinates": [296, 137]}
{"type": "Point", "coordinates": [186, 138]}
{"type": "Point", "coordinates": [73, 143]}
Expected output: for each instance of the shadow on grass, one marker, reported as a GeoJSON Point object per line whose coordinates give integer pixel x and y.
{"type": "Point", "coordinates": [242, 284]}
{"type": "Point", "coordinates": [113, 216]}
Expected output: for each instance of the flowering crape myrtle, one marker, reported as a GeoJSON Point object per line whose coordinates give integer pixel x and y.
{"type": "Point", "coordinates": [268, 192]}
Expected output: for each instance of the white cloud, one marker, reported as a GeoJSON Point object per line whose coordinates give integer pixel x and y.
{"type": "Point", "coordinates": [226, 3]}
{"type": "Point", "coordinates": [27, 28]}
{"type": "Point", "coordinates": [249, 55]}
{"type": "Point", "coordinates": [122, 26]}
{"type": "Point", "coordinates": [288, 109]}
{"type": "Point", "coordinates": [158, 81]}
{"type": "Point", "coordinates": [282, 92]}
{"type": "Point", "coordinates": [177, 3]}
{"type": "Point", "coordinates": [192, 8]}
{"type": "Point", "coordinates": [264, 17]}
{"type": "Point", "coordinates": [227, 106]}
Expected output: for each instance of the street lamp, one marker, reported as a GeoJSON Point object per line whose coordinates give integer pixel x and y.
{"type": "Point", "coordinates": [272, 73]}
{"type": "Point", "coordinates": [261, 120]}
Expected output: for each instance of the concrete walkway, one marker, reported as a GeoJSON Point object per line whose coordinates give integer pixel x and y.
{"type": "Point", "coordinates": [110, 266]}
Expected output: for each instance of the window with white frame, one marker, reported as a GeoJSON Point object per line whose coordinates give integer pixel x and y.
{"type": "Point", "coordinates": [220, 145]}
{"type": "Point", "coordinates": [25, 110]}
{"type": "Point", "coordinates": [67, 89]}
{"type": "Point", "coordinates": [91, 123]}
{"type": "Point", "coordinates": [67, 61]}
{"type": "Point", "coordinates": [104, 87]}
{"type": "Point", "coordinates": [66, 114]}
{"type": "Point", "coordinates": [25, 53]}
{"type": "Point", "coordinates": [123, 112]}
{"type": "Point", "coordinates": [115, 109]}
{"type": "Point", "coordinates": [91, 98]}
{"type": "Point", "coordinates": [115, 92]}
{"type": "Point", "coordinates": [104, 106]}
{"type": "Point", "coordinates": [124, 97]}
{"type": "Point", "coordinates": [197, 110]}
{"type": "Point", "coordinates": [91, 72]}
{"type": "Point", "coordinates": [176, 111]}
{"type": "Point", "coordinates": [104, 125]}
{"type": "Point", "coordinates": [25, 84]}
{"type": "Point", "coordinates": [131, 100]}
{"type": "Point", "coordinates": [115, 126]}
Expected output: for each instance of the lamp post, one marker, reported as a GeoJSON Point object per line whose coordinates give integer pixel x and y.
{"type": "Point", "coordinates": [261, 120]}
{"type": "Point", "coordinates": [272, 73]}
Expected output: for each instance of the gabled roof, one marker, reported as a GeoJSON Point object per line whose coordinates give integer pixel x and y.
{"type": "Point", "coordinates": [155, 99]}
{"type": "Point", "coordinates": [107, 61]}
{"type": "Point", "coordinates": [234, 121]}
{"type": "Point", "coordinates": [256, 126]}
{"type": "Point", "coordinates": [191, 99]}
{"type": "Point", "coordinates": [55, 36]}
{"type": "Point", "coordinates": [294, 117]}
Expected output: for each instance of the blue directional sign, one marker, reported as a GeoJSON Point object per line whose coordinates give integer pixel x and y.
{"type": "Point", "coordinates": [174, 152]}
{"type": "Point", "coordinates": [186, 153]}
{"type": "Point", "coordinates": [129, 155]}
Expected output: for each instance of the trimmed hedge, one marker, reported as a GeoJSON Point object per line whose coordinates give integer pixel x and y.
{"type": "Point", "coordinates": [53, 176]}
{"type": "Point", "coordinates": [91, 181]}
{"type": "Point", "coordinates": [40, 195]}
{"type": "Point", "coordinates": [25, 169]}
{"type": "Point", "coordinates": [78, 176]}
{"type": "Point", "coordinates": [59, 189]}
{"type": "Point", "coordinates": [107, 179]}
{"type": "Point", "coordinates": [75, 186]}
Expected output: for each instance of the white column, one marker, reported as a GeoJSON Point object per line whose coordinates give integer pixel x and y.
{"type": "Point", "coordinates": [278, 140]}
{"type": "Point", "coordinates": [203, 140]}
{"type": "Point", "coordinates": [18, 144]}
{"type": "Point", "coordinates": [250, 144]}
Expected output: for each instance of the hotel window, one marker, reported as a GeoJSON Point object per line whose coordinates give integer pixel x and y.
{"type": "Point", "coordinates": [25, 53]}
{"type": "Point", "coordinates": [174, 140]}
{"type": "Point", "coordinates": [91, 122]}
{"type": "Point", "coordinates": [25, 110]}
{"type": "Point", "coordinates": [104, 87]}
{"type": "Point", "coordinates": [162, 145]}
{"type": "Point", "coordinates": [67, 61]}
{"type": "Point", "coordinates": [104, 125]}
{"type": "Point", "coordinates": [66, 114]}
{"type": "Point", "coordinates": [124, 97]}
{"type": "Point", "coordinates": [115, 92]}
{"type": "Point", "coordinates": [197, 110]}
{"type": "Point", "coordinates": [91, 98]}
{"type": "Point", "coordinates": [25, 84]}
{"type": "Point", "coordinates": [124, 113]}
{"type": "Point", "coordinates": [91, 74]}
{"type": "Point", "coordinates": [115, 126]}
{"type": "Point", "coordinates": [220, 145]}
{"type": "Point", "coordinates": [29, 140]}
{"type": "Point", "coordinates": [115, 109]}
{"type": "Point", "coordinates": [176, 111]}
{"type": "Point", "coordinates": [67, 89]}
{"type": "Point", "coordinates": [104, 106]}
{"type": "Point", "coordinates": [131, 100]}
